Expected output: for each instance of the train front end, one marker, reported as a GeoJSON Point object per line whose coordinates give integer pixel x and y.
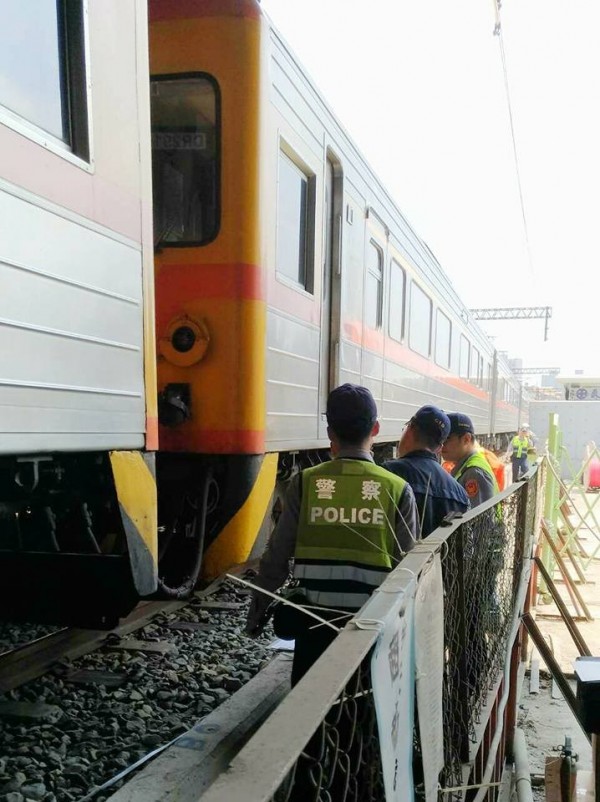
{"type": "Point", "coordinates": [207, 92]}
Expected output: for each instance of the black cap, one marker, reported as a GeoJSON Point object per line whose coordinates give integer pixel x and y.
{"type": "Point", "coordinates": [460, 424]}
{"type": "Point", "coordinates": [351, 403]}
{"type": "Point", "coordinates": [433, 421]}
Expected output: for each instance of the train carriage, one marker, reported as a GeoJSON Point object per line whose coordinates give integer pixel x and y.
{"type": "Point", "coordinates": [77, 366]}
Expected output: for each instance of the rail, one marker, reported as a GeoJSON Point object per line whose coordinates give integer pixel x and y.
{"type": "Point", "coordinates": [350, 731]}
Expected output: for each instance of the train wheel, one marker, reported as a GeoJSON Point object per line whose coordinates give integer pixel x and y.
{"type": "Point", "coordinates": [181, 542]}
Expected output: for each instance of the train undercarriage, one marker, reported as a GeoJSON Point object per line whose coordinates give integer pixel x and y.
{"type": "Point", "coordinates": [78, 546]}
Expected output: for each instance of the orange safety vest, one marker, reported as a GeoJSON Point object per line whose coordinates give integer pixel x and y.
{"type": "Point", "coordinates": [496, 465]}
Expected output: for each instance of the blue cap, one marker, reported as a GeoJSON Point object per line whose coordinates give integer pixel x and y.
{"type": "Point", "coordinates": [349, 403]}
{"type": "Point", "coordinates": [460, 424]}
{"type": "Point", "coordinates": [433, 421]}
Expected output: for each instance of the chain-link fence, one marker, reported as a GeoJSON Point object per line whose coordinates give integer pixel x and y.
{"type": "Point", "coordinates": [483, 572]}
{"type": "Point", "coordinates": [322, 743]}
{"type": "Point", "coordinates": [342, 759]}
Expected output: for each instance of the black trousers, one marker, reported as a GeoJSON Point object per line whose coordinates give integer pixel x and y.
{"type": "Point", "coordinates": [310, 645]}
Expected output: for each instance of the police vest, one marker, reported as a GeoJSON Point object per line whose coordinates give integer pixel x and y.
{"type": "Point", "coordinates": [477, 460]}
{"type": "Point", "coordinates": [346, 531]}
{"type": "Point", "coordinates": [520, 446]}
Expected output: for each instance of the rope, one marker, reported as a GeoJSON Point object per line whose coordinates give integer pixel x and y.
{"type": "Point", "coordinates": [283, 601]}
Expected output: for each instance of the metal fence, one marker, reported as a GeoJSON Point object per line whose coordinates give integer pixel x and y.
{"type": "Point", "coordinates": [322, 742]}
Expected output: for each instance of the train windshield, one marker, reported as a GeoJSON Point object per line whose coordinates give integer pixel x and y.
{"type": "Point", "coordinates": [185, 159]}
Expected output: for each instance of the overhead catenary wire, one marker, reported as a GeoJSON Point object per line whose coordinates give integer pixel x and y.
{"type": "Point", "coordinates": [498, 32]}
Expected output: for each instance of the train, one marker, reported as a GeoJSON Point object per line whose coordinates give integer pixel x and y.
{"type": "Point", "coordinates": [193, 254]}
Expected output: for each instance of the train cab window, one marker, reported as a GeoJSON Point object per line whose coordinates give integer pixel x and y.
{"type": "Point", "coordinates": [421, 309]}
{"type": "Point", "coordinates": [43, 91]}
{"type": "Point", "coordinates": [374, 286]}
{"type": "Point", "coordinates": [185, 159]}
{"type": "Point", "coordinates": [443, 333]}
{"type": "Point", "coordinates": [464, 357]}
{"type": "Point", "coordinates": [295, 222]}
{"type": "Point", "coordinates": [397, 293]}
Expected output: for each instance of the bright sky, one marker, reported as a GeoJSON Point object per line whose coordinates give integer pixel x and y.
{"type": "Point", "coordinates": [419, 86]}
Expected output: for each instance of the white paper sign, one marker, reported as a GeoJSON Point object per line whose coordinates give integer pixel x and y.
{"type": "Point", "coordinates": [392, 672]}
{"type": "Point", "coordinates": [429, 651]}
{"type": "Point", "coordinates": [281, 645]}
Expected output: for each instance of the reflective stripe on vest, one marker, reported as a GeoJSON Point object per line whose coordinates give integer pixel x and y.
{"type": "Point", "coordinates": [346, 531]}
{"type": "Point", "coordinates": [336, 599]}
{"type": "Point", "coordinates": [520, 445]}
{"type": "Point", "coordinates": [340, 572]}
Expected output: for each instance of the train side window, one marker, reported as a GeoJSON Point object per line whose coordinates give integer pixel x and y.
{"type": "Point", "coordinates": [185, 159]}
{"type": "Point", "coordinates": [464, 357]}
{"type": "Point", "coordinates": [43, 92]}
{"type": "Point", "coordinates": [374, 286]}
{"type": "Point", "coordinates": [397, 294]}
{"type": "Point", "coordinates": [421, 309]}
{"type": "Point", "coordinates": [295, 222]}
{"type": "Point", "coordinates": [475, 365]}
{"type": "Point", "coordinates": [443, 335]}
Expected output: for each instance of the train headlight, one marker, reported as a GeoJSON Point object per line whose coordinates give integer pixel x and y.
{"type": "Point", "coordinates": [185, 342]}
{"type": "Point", "coordinates": [183, 339]}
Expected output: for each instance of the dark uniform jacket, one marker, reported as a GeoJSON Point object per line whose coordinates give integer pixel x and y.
{"type": "Point", "coordinates": [436, 492]}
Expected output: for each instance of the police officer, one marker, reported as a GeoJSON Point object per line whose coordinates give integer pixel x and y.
{"type": "Point", "coordinates": [436, 492]}
{"type": "Point", "coordinates": [346, 523]}
{"type": "Point", "coordinates": [519, 446]}
{"type": "Point", "coordinates": [471, 468]}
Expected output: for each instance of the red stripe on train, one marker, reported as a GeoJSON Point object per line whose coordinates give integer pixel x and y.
{"type": "Point", "coordinates": [212, 441]}
{"type": "Point", "coordinates": [162, 10]}
{"type": "Point", "coordinates": [178, 283]}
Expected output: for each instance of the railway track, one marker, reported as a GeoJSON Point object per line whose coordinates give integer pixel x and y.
{"type": "Point", "coordinates": [31, 660]}
{"type": "Point", "coordinates": [28, 660]}
{"type": "Point", "coordinates": [79, 707]}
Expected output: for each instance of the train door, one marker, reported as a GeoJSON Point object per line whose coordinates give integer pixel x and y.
{"type": "Point", "coordinates": [375, 257]}
{"type": "Point", "coordinates": [331, 286]}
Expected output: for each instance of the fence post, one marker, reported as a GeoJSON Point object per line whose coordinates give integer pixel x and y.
{"type": "Point", "coordinates": [462, 666]}
{"type": "Point", "coordinates": [521, 535]}
{"type": "Point", "coordinates": [550, 500]}
{"type": "Point", "coordinates": [524, 539]}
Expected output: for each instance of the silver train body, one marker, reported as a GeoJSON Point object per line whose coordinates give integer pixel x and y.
{"type": "Point", "coordinates": [374, 306]}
